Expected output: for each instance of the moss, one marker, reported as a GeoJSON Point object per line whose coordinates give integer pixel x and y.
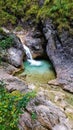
{"type": "Point", "coordinates": [2, 32]}
{"type": "Point", "coordinates": [70, 116]}
{"type": "Point", "coordinates": [69, 98]}
{"type": "Point", "coordinates": [18, 28]}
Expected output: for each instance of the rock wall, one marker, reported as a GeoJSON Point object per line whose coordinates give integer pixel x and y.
{"type": "Point", "coordinates": [60, 51]}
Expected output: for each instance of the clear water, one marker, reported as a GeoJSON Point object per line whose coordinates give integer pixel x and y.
{"type": "Point", "coordinates": [41, 69]}
{"type": "Point", "coordinates": [38, 74]}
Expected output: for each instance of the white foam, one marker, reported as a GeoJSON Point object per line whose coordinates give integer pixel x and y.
{"type": "Point", "coordinates": [29, 57]}
{"type": "Point", "coordinates": [34, 62]}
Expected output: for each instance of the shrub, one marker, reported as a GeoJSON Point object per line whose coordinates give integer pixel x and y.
{"type": "Point", "coordinates": [11, 105]}
{"type": "Point", "coordinates": [6, 42]}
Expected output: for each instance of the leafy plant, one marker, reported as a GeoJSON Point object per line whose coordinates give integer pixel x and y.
{"type": "Point", "coordinates": [6, 42]}
{"type": "Point", "coordinates": [11, 105]}
{"type": "Point", "coordinates": [33, 115]}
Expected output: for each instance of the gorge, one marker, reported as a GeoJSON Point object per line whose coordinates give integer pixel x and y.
{"type": "Point", "coordinates": [36, 65]}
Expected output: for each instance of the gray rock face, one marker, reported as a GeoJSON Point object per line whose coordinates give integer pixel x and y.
{"type": "Point", "coordinates": [48, 116]}
{"type": "Point", "coordinates": [60, 51]}
{"type": "Point", "coordinates": [13, 54]}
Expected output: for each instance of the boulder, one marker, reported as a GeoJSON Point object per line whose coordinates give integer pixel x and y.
{"type": "Point", "coordinates": [14, 52]}
{"type": "Point", "coordinates": [12, 83]}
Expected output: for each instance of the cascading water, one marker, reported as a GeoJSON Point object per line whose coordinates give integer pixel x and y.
{"type": "Point", "coordinates": [28, 53]}
{"type": "Point", "coordinates": [29, 57]}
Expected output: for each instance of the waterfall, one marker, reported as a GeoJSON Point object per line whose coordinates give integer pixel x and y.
{"type": "Point", "coordinates": [29, 57]}
{"type": "Point", "coordinates": [28, 53]}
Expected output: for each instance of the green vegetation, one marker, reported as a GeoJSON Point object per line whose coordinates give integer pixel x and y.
{"type": "Point", "coordinates": [58, 10]}
{"type": "Point", "coordinates": [69, 99]}
{"type": "Point", "coordinates": [6, 42]}
{"type": "Point", "coordinates": [11, 105]}
{"type": "Point", "coordinates": [34, 116]}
